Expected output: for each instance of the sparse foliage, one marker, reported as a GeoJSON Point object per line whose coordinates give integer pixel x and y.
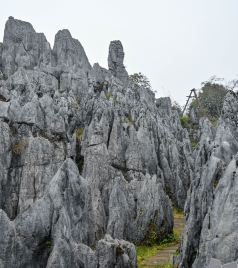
{"type": "Point", "coordinates": [141, 80]}
{"type": "Point", "coordinates": [19, 147]}
{"type": "Point", "coordinates": [185, 122]}
{"type": "Point", "coordinates": [79, 134]}
{"type": "Point", "coordinates": [210, 100]}
{"type": "Point", "coordinates": [177, 107]}
{"type": "Point", "coordinates": [109, 95]}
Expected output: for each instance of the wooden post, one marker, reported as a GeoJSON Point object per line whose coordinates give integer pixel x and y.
{"type": "Point", "coordinates": [192, 92]}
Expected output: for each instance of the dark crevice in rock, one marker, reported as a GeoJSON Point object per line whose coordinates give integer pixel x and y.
{"type": "Point", "coordinates": [79, 160]}
{"type": "Point", "coordinates": [2, 98]}
{"type": "Point", "coordinates": [41, 253]}
{"type": "Point", "coordinates": [110, 130]}
{"type": "Point", "coordinates": [125, 169]}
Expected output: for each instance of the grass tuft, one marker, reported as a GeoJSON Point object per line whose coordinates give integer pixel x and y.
{"type": "Point", "coordinates": [79, 134]}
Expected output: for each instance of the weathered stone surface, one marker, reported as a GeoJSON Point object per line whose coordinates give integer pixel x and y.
{"type": "Point", "coordinates": [69, 52]}
{"type": "Point", "coordinates": [1, 47]}
{"type": "Point", "coordinates": [52, 217]}
{"type": "Point", "coordinates": [84, 152]}
{"type": "Point", "coordinates": [50, 232]}
{"type": "Point", "coordinates": [23, 47]}
{"type": "Point", "coordinates": [115, 61]}
{"type": "Point", "coordinates": [214, 263]}
{"type": "Point", "coordinates": [211, 228]}
{"type": "Point", "coordinates": [174, 145]}
{"type": "Point", "coordinates": [115, 253]}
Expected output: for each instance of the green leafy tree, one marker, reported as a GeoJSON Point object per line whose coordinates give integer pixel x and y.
{"type": "Point", "coordinates": [141, 80]}
{"type": "Point", "coordinates": [210, 100]}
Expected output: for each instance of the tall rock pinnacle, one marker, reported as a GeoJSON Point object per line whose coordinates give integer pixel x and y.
{"type": "Point", "coordinates": [115, 61]}
{"type": "Point", "coordinates": [22, 46]}
{"type": "Point", "coordinates": [69, 51]}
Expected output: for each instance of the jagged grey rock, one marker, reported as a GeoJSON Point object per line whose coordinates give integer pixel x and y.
{"type": "Point", "coordinates": [23, 47]}
{"type": "Point", "coordinates": [214, 263]}
{"type": "Point", "coordinates": [51, 232]}
{"type": "Point", "coordinates": [211, 226]}
{"type": "Point", "coordinates": [115, 61]}
{"type": "Point", "coordinates": [115, 253]}
{"type": "Point", "coordinates": [84, 152]}
{"type": "Point", "coordinates": [1, 47]}
{"type": "Point", "coordinates": [174, 144]}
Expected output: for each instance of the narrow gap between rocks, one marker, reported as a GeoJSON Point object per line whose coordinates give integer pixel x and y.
{"type": "Point", "coordinates": [160, 255]}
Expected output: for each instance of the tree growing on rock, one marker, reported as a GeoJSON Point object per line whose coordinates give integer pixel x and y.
{"type": "Point", "coordinates": [210, 100]}
{"type": "Point", "coordinates": [141, 80]}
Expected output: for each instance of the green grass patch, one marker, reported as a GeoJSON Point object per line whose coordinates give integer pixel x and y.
{"type": "Point", "coordinates": [185, 122]}
{"type": "Point", "coordinates": [194, 143]}
{"type": "Point", "coordinates": [79, 134]}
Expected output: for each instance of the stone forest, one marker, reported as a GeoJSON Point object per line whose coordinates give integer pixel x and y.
{"type": "Point", "coordinates": [96, 172]}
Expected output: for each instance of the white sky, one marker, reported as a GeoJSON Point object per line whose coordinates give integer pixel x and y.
{"type": "Point", "coordinates": [177, 44]}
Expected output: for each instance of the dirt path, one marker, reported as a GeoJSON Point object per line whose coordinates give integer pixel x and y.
{"type": "Point", "coordinates": [164, 255]}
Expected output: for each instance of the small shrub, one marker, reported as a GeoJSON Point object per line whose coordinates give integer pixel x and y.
{"type": "Point", "coordinates": [75, 104]}
{"type": "Point", "coordinates": [109, 95]}
{"type": "Point", "coordinates": [210, 100]}
{"type": "Point", "coordinates": [140, 80]}
{"type": "Point", "coordinates": [3, 76]}
{"type": "Point", "coordinates": [141, 211]}
{"type": "Point", "coordinates": [79, 134]}
{"type": "Point", "coordinates": [129, 120]}
{"type": "Point", "coordinates": [185, 122]}
{"type": "Point", "coordinates": [93, 247]}
{"type": "Point", "coordinates": [194, 143]}
{"type": "Point", "coordinates": [19, 147]}
{"type": "Point", "coordinates": [49, 244]}
{"type": "Point", "coordinates": [151, 236]}
{"type": "Point", "coordinates": [171, 238]}
{"type": "Point", "coordinates": [215, 183]}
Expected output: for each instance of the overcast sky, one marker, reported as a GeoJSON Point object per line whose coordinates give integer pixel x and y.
{"type": "Point", "coordinates": [177, 44]}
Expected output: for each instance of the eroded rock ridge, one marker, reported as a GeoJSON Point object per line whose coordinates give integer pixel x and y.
{"type": "Point", "coordinates": [88, 158]}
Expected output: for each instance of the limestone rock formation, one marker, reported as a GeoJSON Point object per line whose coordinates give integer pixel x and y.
{"type": "Point", "coordinates": [211, 226]}
{"type": "Point", "coordinates": [174, 144]}
{"type": "Point", "coordinates": [23, 47]}
{"type": "Point", "coordinates": [88, 159]}
{"type": "Point", "coordinates": [215, 263]}
{"type": "Point", "coordinates": [115, 61]}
